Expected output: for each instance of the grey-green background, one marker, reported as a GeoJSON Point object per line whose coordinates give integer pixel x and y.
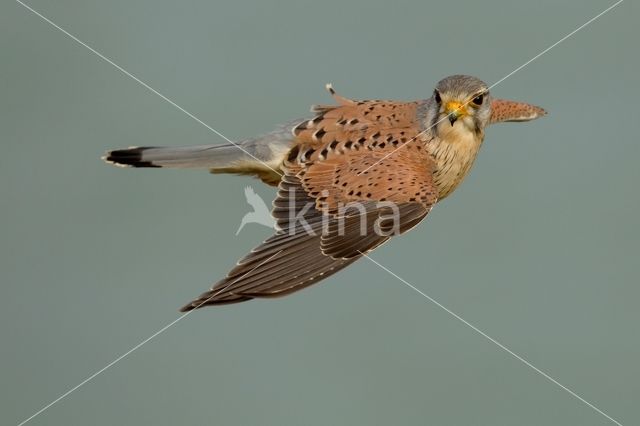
{"type": "Point", "coordinates": [539, 247]}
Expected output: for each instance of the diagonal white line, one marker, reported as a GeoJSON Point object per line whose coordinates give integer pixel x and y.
{"type": "Point", "coordinates": [556, 43]}
{"type": "Point", "coordinates": [138, 346]}
{"type": "Point", "coordinates": [128, 74]}
{"type": "Point", "coordinates": [494, 341]}
{"type": "Point", "coordinates": [499, 81]}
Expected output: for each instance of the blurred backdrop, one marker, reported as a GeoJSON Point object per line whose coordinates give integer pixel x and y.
{"type": "Point", "coordinates": [539, 247]}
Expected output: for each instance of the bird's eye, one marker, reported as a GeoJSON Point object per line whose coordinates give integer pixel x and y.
{"type": "Point", "coordinates": [436, 96]}
{"type": "Point", "coordinates": [478, 99]}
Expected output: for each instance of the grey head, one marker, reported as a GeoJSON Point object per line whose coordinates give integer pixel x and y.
{"type": "Point", "coordinates": [461, 100]}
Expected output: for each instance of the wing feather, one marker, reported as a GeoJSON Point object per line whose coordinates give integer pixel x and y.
{"type": "Point", "coordinates": [341, 157]}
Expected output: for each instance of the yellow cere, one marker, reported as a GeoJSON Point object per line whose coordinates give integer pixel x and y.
{"type": "Point", "coordinates": [456, 108]}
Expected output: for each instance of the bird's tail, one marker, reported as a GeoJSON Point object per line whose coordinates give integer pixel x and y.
{"type": "Point", "coordinates": [261, 156]}
{"type": "Point", "coordinates": [198, 157]}
{"type": "Point", "coordinates": [227, 158]}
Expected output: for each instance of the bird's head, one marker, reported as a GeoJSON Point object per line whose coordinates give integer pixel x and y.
{"type": "Point", "coordinates": [461, 100]}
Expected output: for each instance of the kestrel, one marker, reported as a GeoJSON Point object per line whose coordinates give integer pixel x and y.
{"type": "Point", "coordinates": [393, 160]}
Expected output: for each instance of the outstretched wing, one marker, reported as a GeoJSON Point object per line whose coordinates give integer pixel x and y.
{"type": "Point", "coordinates": [342, 195]}
{"type": "Point", "coordinates": [503, 110]}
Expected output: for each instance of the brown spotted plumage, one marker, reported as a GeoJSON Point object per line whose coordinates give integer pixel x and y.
{"type": "Point", "coordinates": [503, 110]}
{"type": "Point", "coordinates": [349, 178]}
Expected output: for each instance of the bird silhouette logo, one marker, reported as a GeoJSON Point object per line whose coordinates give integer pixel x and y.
{"type": "Point", "coordinates": [261, 213]}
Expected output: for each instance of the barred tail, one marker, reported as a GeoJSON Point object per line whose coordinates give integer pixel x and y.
{"type": "Point", "coordinates": [260, 156]}
{"type": "Point", "coordinates": [201, 156]}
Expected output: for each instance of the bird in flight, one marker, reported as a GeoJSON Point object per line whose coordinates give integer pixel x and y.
{"type": "Point", "coordinates": [349, 178]}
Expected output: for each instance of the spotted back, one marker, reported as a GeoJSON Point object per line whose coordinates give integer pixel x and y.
{"type": "Point", "coordinates": [354, 151]}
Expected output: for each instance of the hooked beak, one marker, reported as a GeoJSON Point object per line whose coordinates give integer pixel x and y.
{"type": "Point", "coordinates": [454, 110]}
